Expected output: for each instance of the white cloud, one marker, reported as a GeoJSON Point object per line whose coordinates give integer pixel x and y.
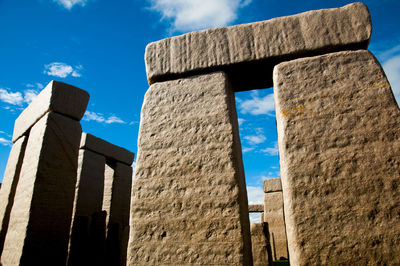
{"type": "Point", "coordinates": [68, 4]}
{"type": "Point", "coordinates": [271, 150]}
{"type": "Point", "coordinates": [247, 149]}
{"type": "Point", "coordinates": [255, 139]}
{"type": "Point", "coordinates": [256, 105]}
{"type": "Point", "coordinates": [241, 121]}
{"type": "Point", "coordinates": [62, 70]}
{"type": "Point", "coordinates": [255, 195]}
{"type": "Point", "coordinates": [5, 142]}
{"type": "Point", "coordinates": [189, 15]}
{"type": "Point", "coordinates": [100, 118]}
{"type": "Point", "coordinates": [29, 95]}
{"type": "Point", "coordinates": [14, 98]}
{"type": "Point", "coordinates": [392, 70]}
{"type": "Point", "coordinates": [255, 217]}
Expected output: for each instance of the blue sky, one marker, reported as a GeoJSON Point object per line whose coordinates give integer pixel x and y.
{"type": "Point", "coordinates": [98, 45]}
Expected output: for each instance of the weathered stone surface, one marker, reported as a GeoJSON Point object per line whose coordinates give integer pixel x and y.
{"type": "Point", "coordinates": [105, 148]}
{"type": "Point", "coordinates": [256, 208]}
{"type": "Point", "coordinates": [189, 202]}
{"type": "Point", "coordinates": [58, 97]}
{"type": "Point", "coordinates": [339, 144]}
{"type": "Point", "coordinates": [274, 216]}
{"type": "Point", "coordinates": [41, 215]}
{"type": "Point", "coordinates": [88, 200]}
{"type": "Point", "coordinates": [259, 244]}
{"type": "Point", "coordinates": [249, 52]}
{"type": "Point", "coordinates": [10, 181]}
{"type": "Point", "coordinates": [272, 185]}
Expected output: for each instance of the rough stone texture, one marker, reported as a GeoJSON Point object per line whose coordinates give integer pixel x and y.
{"type": "Point", "coordinates": [339, 143]}
{"type": "Point", "coordinates": [249, 52]}
{"type": "Point", "coordinates": [58, 97]}
{"type": "Point", "coordinates": [88, 200]}
{"type": "Point", "coordinates": [105, 148]}
{"type": "Point", "coordinates": [189, 199]}
{"type": "Point", "coordinates": [259, 244]}
{"type": "Point", "coordinates": [274, 216]}
{"type": "Point", "coordinates": [10, 181]}
{"type": "Point", "coordinates": [272, 185]}
{"type": "Point", "coordinates": [256, 208]}
{"type": "Point", "coordinates": [40, 219]}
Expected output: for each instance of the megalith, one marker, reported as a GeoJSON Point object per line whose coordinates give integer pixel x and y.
{"type": "Point", "coordinates": [260, 244]}
{"type": "Point", "coordinates": [189, 201]}
{"type": "Point", "coordinates": [274, 216]}
{"type": "Point", "coordinates": [40, 217]}
{"type": "Point", "coordinates": [339, 144]}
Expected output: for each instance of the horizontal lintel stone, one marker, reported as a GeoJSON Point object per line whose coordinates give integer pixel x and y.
{"type": "Point", "coordinates": [58, 97]}
{"type": "Point", "coordinates": [100, 146]}
{"type": "Point", "coordinates": [272, 185]}
{"type": "Point", "coordinates": [248, 52]}
{"type": "Point", "coordinates": [256, 208]}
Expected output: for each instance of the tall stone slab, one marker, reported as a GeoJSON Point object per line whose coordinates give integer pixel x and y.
{"type": "Point", "coordinates": [41, 215]}
{"type": "Point", "coordinates": [274, 216]}
{"type": "Point", "coordinates": [88, 200]}
{"type": "Point", "coordinates": [260, 245]}
{"type": "Point", "coordinates": [189, 202]}
{"type": "Point", "coordinates": [248, 52]}
{"type": "Point", "coordinates": [10, 181]}
{"type": "Point", "coordinates": [339, 144]}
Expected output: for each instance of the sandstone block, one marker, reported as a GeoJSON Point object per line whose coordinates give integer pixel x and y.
{"type": "Point", "coordinates": [40, 219]}
{"type": "Point", "coordinates": [256, 208]}
{"type": "Point", "coordinates": [274, 216]}
{"type": "Point", "coordinates": [105, 148]}
{"type": "Point", "coordinates": [260, 244]}
{"type": "Point", "coordinates": [272, 185]}
{"type": "Point", "coordinates": [248, 52]}
{"type": "Point", "coordinates": [57, 97]}
{"type": "Point", "coordinates": [339, 144]}
{"type": "Point", "coordinates": [189, 202]}
{"type": "Point", "coordinates": [10, 181]}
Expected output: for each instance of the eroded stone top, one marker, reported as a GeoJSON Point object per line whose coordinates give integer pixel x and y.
{"type": "Point", "coordinates": [272, 185]}
{"type": "Point", "coordinates": [57, 97]}
{"type": "Point", "coordinates": [248, 52]}
{"type": "Point", "coordinates": [98, 145]}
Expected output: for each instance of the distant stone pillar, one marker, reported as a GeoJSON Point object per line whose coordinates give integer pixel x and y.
{"type": "Point", "coordinates": [189, 201]}
{"type": "Point", "coordinates": [273, 215]}
{"type": "Point", "coordinates": [41, 214]}
{"type": "Point", "coordinates": [10, 181]}
{"type": "Point", "coordinates": [105, 194]}
{"type": "Point", "coordinates": [339, 145]}
{"type": "Point", "coordinates": [260, 244]}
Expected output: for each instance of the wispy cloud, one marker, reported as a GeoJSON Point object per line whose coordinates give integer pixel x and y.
{"type": "Point", "coordinates": [241, 121]}
{"type": "Point", "coordinates": [5, 142]}
{"type": "Point", "coordinates": [257, 105]}
{"type": "Point", "coordinates": [247, 149]}
{"type": "Point", "coordinates": [255, 195]}
{"type": "Point", "coordinates": [68, 4]}
{"type": "Point", "coordinates": [271, 150]}
{"type": "Point", "coordinates": [100, 118]}
{"type": "Point", "coordinates": [62, 70]}
{"type": "Point", "coordinates": [255, 139]}
{"type": "Point", "coordinates": [189, 15]}
{"type": "Point", "coordinates": [392, 70]}
{"type": "Point", "coordinates": [17, 98]}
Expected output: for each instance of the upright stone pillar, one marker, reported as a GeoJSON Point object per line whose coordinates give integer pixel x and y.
{"type": "Point", "coordinates": [339, 144]}
{"type": "Point", "coordinates": [260, 244]}
{"type": "Point", "coordinates": [10, 181]}
{"type": "Point", "coordinates": [189, 202]}
{"type": "Point", "coordinates": [273, 215]}
{"type": "Point", "coordinates": [41, 214]}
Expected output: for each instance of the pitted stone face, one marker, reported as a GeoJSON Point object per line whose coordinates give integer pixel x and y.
{"type": "Point", "coordinates": [339, 141]}
{"type": "Point", "coordinates": [189, 202]}
{"type": "Point", "coordinates": [249, 52]}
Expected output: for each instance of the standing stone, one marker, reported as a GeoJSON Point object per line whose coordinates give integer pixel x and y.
{"type": "Point", "coordinates": [274, 216]}
{"type": "Point", "coordinates": [339, 144]}
{"type": "Point", "coordinates": [260, 244]}
{"type": "Point", "coordinates": [189, 202]}
{"type": "Point", "coordinates": [41, 215]}
{"type": "Point", "coordinates": [88, 201]}
{"type": "Point", "coordinates": [10, 181]}
{"type": "Point", "coordinates": [248, 52]}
